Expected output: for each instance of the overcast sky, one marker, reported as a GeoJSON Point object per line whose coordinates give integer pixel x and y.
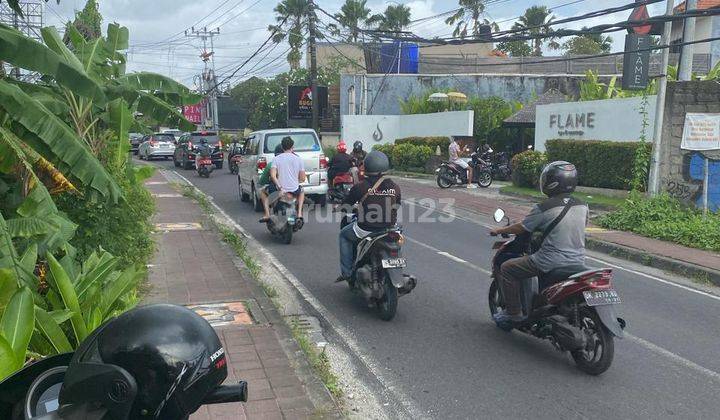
{"type": "Point", "coordinates": [157, 42]}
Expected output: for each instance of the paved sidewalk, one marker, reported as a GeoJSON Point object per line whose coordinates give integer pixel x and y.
{"type": "Point", "coordinates": [193, 267]}
{"type": "Point", "coordinates": [672, 257]}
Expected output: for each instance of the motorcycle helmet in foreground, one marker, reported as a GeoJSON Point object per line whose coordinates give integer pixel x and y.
{"type": "Point", "coordinates": [153, 362]}
{"type": "Point", "coordinates": [558, 177]}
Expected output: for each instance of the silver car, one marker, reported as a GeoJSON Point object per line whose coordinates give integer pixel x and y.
{"type": "Point", "coordinates": [258, 152]}
{"type": "Point", "coordinates": [158, 145]}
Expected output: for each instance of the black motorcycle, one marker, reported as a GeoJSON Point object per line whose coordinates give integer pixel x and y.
{"type": "Point", "coordinates": [378, 269]}
{"type": "Point", "coordinates": [284, 221]}
{"type": "Point", "coordinates": [499, 163]}
{"type": "Point", "coordinates": [450, 173]}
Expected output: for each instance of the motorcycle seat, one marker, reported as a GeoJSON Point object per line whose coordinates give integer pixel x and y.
{"type": "Point", "coordinates": [344, 178]}
{"type": "Point", "coordinates": [560, 274]}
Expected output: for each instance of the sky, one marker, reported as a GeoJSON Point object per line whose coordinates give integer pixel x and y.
{"type": "Point", "coordinates": [158, 44]}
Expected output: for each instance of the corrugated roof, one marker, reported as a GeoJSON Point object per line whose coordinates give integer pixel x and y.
{"type": "Point", "coordinates": [702, 5]}
{"type": "Point", "coordinates": [526, 116]}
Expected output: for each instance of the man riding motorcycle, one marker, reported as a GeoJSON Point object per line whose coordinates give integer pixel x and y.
{"type": "Point", "coordinates": [287, 172]}
{"type": "Point", "coordinates": [203, 150]}
{"type": "Point", "coordinates": [561, 218]}
{"type": "Point", "coordinates": [378, 199]}
{"type": "Point", "coordinates": [234, 148]}
{"type": "Point", "coordinates": [358, 156]}
{"type": "Point", "coordinates": [340, 163]}
{"type": "Point", "coordinates": [264, 183]}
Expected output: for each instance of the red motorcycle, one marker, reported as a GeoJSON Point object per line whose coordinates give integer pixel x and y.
{"type": "Point", "coordinates": [573, 307]}
{"type": "Point", "coordinates": [341, 186]}
{"type": "Point", "coordinates": [204, 166]}
{"type": "Point", "coordinates": [234, 163]}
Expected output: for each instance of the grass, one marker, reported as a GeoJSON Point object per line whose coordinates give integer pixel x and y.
{"type": "Point", "coordinates": [595, 199]}
{"type": "Point", "coordinates": [318, 360]}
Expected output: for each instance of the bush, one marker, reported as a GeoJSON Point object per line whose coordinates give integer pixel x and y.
{"type": "Point", "coordinates": [409, 157]}
{"type": "Point", "coordinates": [387, 149]}
{"type": "Point", "coordinates": [527, 167]}
{"type": "Point", "coordinates": [663, 217]}
{"type": "Point", "coordinates": [602, 164]}
{"type": "Point", "coordinates": [433, 142]}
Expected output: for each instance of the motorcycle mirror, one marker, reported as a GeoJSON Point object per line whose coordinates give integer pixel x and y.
{"type": "Point", "coordinates": [490, 150]}
{"type": "Point", "coordinates": [499, 215]}
{"type": "Point", "coordinates": [530, 147]}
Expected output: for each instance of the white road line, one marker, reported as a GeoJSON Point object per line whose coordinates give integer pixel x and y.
{"type": "Point", "coordinates": [448, 255]}
{"type": "Point", "coordinates": [452, 257]}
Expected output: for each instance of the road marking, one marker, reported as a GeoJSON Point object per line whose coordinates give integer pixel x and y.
{"type": "Point", "coordinates": [452, 257]}
{"type": "Point", "coordinates": [448, 255]}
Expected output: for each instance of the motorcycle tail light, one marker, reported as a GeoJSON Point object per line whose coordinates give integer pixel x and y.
{"type": "Point", "coordinates": [396, 237]}
{"type": "Point", "coordinates": [323, 162]}
{"type": "Point", "coordinates": [598, 279]}
{"type": "Point", "coordinates": [261, 163]}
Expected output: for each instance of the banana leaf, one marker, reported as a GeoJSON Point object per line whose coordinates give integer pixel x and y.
{"type": "Point", "coordinates": [120, 120]}
{"type": "Point", "coordinates": [162, 112]}
{"type": "Point", "coordinates": [159, 84]}
{"type": "Point", "coordinates": [63, 286]}
{"type": "Point", "coordinates": [60, 315]}
{"type": "Point", "coordinates": [8, 363]}
{"type": "Point", "coordinates": [21, 51]}
{"type": "Point", "coordinates": [8, 253]}
{"type": "Point", "coordinates": [18, 321]}
{"type": "Point", "coordinates": [8, 287]}
{"type": "Point", "coordinates": [62, 142]}
{"type": "Point", "coordinates": [50, 329]}
{"type": "Point", "coordinates": [121, 286]}
{"type": "Point", "coordinates": [27, 227]}
{"type": "Point", "coordinates": [54, 41]}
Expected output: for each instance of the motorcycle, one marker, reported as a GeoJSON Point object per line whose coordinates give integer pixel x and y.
{"type": "Point", "coordinates": [378, 269]}
{"type": "Point", "coordinates": [341, 186]}
{"type": "Point", "coordinates": [205, 166]}
{"type": "Point", "coordinates": [284, 222]}
{"type": "Point", "coordinates": [234, 163]}
{"type": "Point", "coordinates": [450, 173]}
{"type": "Point", "coordinates": [572, 307]}
{"type": "Point", "coordinates": [499, 163]}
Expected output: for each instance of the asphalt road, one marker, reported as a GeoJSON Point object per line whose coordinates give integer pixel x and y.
{"type": "Point", "coordinates": [444, 353]}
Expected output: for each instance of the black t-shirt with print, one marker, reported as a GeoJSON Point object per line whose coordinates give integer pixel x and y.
{"type": "Point", "coordinates": [379, 209]}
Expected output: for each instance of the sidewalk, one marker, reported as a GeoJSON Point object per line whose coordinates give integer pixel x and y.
{"type": "Point", "coordinates": [659, 254]}
{"type": "Point", "coordinates": [193, 267]}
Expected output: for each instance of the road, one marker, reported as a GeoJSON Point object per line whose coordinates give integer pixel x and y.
{"type": "Point", "coordinates": [443, 352]}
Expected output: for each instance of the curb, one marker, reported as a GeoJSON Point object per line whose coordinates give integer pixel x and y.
{"type": "Point", "coordinates": [651, 260]}
{"type": "Point", "coordinates": [601, 207]}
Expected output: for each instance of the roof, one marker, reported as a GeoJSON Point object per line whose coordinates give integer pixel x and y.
{"type": "Point", "coordinates": [526, 116]}
{"type": "Point", "coordinates": [702, 5]}
{"type": "Point", "coordinates": [284, 130]}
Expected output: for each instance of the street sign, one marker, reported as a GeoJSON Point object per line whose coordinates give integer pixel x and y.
{"type": "Point", "coordinates": [193, 113]}
{"type": "Point", "coordinates": [636, 63]}
{"type": "Point", "coordinates": [300, 101]}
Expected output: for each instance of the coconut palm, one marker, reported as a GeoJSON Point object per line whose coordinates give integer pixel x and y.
{"type": "Point", "coordinates": [352, 16]}
{"type": "Point", "coordinates": [469, 15]}
{"type": "Point", "coordinates": [605, 42]}
{"type": "Point", "coordinates": [394, 19]}
{"type": "Point", "coordinates": [292, 17]}
{"type": "Point", "coordinates": [535, 20]}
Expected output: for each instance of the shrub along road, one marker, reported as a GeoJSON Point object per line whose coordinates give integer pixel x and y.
{"type": "Point", "coordinates": [443, 354]}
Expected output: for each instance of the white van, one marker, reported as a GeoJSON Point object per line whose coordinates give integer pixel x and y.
{"type": "Point", "coordinates": [258, 150]}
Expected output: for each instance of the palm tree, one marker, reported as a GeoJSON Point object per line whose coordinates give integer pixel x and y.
{"type": "Point", "coordinates": [535, 20]}
{"type": "Point", "coordinates": [292, 17]}
{"type": "Point", "coordinates": [353, 14]}
{"type": "Point", "coordinates": [468, 14]}
{"type": "Point", "coordinates": [605, 42]}
{"type": "Point", "coordinates": [394, 19]}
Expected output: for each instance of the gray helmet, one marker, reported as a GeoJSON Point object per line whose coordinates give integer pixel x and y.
{"type": "Point", "coordinates": [558, 177]}
{"type": "Point", "coordinates": [376, 163]}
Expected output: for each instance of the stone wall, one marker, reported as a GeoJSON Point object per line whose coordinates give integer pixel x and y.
{"type": "Point", "coordinates": [682, 171]}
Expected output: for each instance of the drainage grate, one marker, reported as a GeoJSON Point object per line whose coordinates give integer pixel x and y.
{"type": "Point", "coordinates": [310, 326]}
{"type": "Point", "coordinates": [170, 227]}
{"type": "Point", "coordinates": [224, 313]}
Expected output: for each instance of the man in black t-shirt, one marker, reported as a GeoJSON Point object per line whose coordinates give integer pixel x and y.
{"type": "Point", "coordinates": [378, 199]}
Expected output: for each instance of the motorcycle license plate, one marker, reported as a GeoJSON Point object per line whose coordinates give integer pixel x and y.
{"type": "Point", "coordinates": [394, 263]}
{"type": "Point", "coordinates": [601, 297]}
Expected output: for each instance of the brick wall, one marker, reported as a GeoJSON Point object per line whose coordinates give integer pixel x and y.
{"type": "Point", "coordinates": [682, 171]}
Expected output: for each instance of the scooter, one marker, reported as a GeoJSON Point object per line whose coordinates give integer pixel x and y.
{"type": "Point", "coordinates": [284, 221]}
{"type": "Point", "coordinates": [234, 163]}
{"type": "Point", "coordinates": [378, 269]}
{"type": "Point", "coordinates": [450, 173]}
{"type": "Point", "coordinates": [499, 163]}
{"type": "Point", "coordinates": [204, 166]}
{"type": "Point", "coordinates": [573, 307]}
{"type": "Point", "coordinates": [342, 184]}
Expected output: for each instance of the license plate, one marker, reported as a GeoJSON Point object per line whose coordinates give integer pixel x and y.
{"type": "Point", "coordinates": [601, 297]}
{"type": "Point", "coordinates": [164, 146]}
{"type": "Point", "coordinates": [394, 263]}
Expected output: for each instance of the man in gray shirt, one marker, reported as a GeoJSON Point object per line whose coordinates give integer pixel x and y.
{"type": "Point", "coordinates": [564, 245]}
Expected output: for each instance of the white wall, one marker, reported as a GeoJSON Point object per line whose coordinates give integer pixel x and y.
{"type": "Point", "coordinates": [381, 129]}
{"type": "Point", "coordinates": [610, 119]}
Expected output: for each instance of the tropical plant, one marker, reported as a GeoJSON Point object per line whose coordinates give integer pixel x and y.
{"type": "Point", "coordinates": [395, 18]}
{"type": "Point", "coordinates": [469, 14]}
{"type": "Point", "coordinates": [587, 44]}
{"type": "Point", "coordinates": [592, 89]}
{"type": "Point", "coordinates": [535, 22]}
{"type": "Point", "coordinates": [352, 16]}
{"type": "Point", "coordinates": [292, 18]}
{"type": "Point", "coordinates": [517, 48]}
{"type": "Point", "coordinates": [88, 22]}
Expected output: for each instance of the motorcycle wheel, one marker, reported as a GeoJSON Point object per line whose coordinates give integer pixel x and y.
{"type": "Point", "coordinates": [484, 179]}
{"type": "Point", "coordinates": [597, 356]}
{"type": "Point", "coordinates": [387, 306]}
{"type": "Point", "coordinates": [233, 169]}
{"type": "Point", "coordinates": [494, 298]}
{"type": "Point", "coordinates": [256, 202]}
{"type": "Point", "coordinates": [444, 178]}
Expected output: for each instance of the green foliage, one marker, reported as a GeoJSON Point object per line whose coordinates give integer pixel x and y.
{"type": "Point", "coordinates": [641, 162]}
{"type": "Point", "coordinates": [527, 167]}
{"type": "Point", "coordinates": [515, 48]}
{"type": "Point", "coordinates": [602, 164]}
{"type": "Point", "coordinates": [395, 18]}
{"type": "Point", "coordinates": [588, 44]}
{"type": "Point", "coordinates": [591, 89]}
{"type": "Point", "coordinates": [535, 21]}
{"type": "Point", "coordinates": [89, 21]}
{"type": "Point", "coordinates": [409, 157]}
{"type": "Point", "coordinates": [293, 17]}
{"type": "Point", "coordinates": [431, 141]}
{"type": "Point", "coordinates": [489, 115]}
{"type": "Point", "coordinates": [663, 217]}
{"type": "Point", "coordinates": [387, 149]}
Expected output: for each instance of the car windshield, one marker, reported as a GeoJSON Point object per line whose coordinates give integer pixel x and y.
{"type": "Point", "coordinates": [164, 137]}
{"type": "Point", "coordinates": [211, 138]}
{"type": "Point", "coordinates": [304, 142]}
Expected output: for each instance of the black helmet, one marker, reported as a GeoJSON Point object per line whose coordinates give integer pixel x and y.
{"type": "Point", "coordinates": [234, 139]}
{"type": "Point", "coordinates": [279, 149]}
{"type": "Point", "coordinates": [376, 163]}
{"type": "Point", "coordinates": [357, 146]}
{"type": "Point", "coordinates": [203, 140]}
{"type": "Point", "coordinates": [156, 361]}
{"type": "Point", "coordinates": [558, 177]}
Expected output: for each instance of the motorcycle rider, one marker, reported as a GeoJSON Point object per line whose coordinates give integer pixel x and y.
{"type": "Point", "coordinates": [235, 148]}
{"type": "Point", "coordinates": [378, 199]}
{"type": "Point", "coordinates": [358, 156]}
{"type": "Point", "coordinates": [563, 244]}
{"type": "Point", "coordinates": [287, 172]}
{"type": "Point", "coordinates": [264, 184]}
{"type": "Point", "coordinates": [340, 163]}
{"type": "Point", "coordinates": [454, 153]}
{"type": "Point", "coordinates": [203, 150]}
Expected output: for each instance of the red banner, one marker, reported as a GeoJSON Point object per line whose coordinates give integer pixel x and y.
{"type": "Point", "coordinates": [193, 113]}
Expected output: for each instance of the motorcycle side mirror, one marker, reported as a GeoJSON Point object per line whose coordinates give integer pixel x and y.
{"type": "Point", "coordinates": [530, 147]}
{"type": "Point", "coordinates": [499, 215]}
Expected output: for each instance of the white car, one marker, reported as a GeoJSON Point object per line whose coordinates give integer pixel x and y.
{"type": "Point", "coordinates": [258, 152]}
{"type": "Point", "coordinates": [158, 145]}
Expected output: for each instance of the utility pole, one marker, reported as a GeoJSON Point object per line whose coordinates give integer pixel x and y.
{"type": "Point", "coordinates": [313, 67]}
{"type": "Point", "coordinates": [686, 54]}
{"type": "Point", "coordinates": [654, 184]}
{"type": "Point", "coordinates": [208, 81]}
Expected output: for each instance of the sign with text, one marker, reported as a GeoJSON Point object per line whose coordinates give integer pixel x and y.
{"type": "Point", "coordinates": [193, 113]}
{"type": "Point", "coordinates": [636, 63]}
{"type": "Point", "coordinates": [701, 132]}
{"type": "Point", "coordinates": [300, 101]}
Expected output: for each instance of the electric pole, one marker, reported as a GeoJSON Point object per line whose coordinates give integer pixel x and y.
{"type": "Point", "coordinates": [313, 67]}
{"type": "Point", "coordinates": [208, 81]}
{"type": "Point", "coordinates": [686, 54]}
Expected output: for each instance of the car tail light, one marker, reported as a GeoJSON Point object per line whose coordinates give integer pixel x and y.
{"type": "Point", "coordinates": [221, 155]}
{"type": "Point", "coordinates": [599, 279]}
{"type": "Point", "coordinates": [153, 143]}
{"type": "Point", "coordinates": [323, 161]}
{"type": "Point", "coordinates": [261, 163]}
{"type": "Point", "coordinates": [396, 237]}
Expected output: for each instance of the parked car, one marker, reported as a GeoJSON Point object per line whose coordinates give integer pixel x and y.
{"type": "Point", "coordinates": [258, 153]}
{"type": "Point", "coordinates": [174, 131]}
{"type": "Point", "coordinates": [158, 145]}
{"type": "Point", "coordinates": [135, 140]}
{"type": "Point", "coordinates": [186, 148]}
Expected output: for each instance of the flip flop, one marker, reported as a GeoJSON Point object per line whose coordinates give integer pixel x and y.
{"type": "Point", "coordinates": [264, 220]}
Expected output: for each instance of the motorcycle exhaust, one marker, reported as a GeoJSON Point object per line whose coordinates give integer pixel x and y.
{"type": "Point", "coordinates": [410, 283]}
{"type": "Point", "coordinates": [569, 338]}
{"type": "Point", "coordinates": [228, 393]}
{"type": "Point", "coordinates": [364, 277]}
